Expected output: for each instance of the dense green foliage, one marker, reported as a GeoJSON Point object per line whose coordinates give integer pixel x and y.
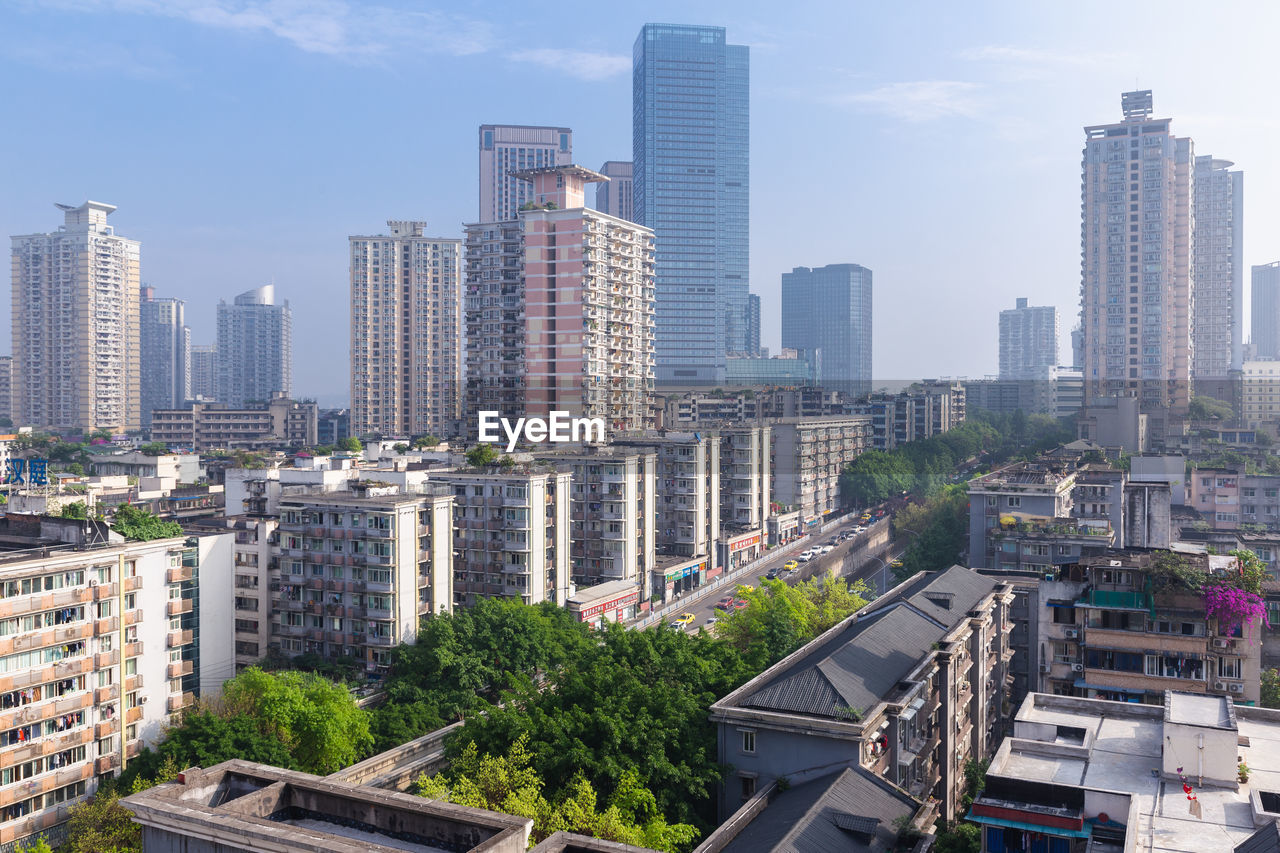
{"type": "Point", "coordinates": [508, 783]}
{"type": "Point", "coordinates": [937, 529]}
{"type": "Point", "coordinates": [154, 448]}
{"type": "Point", "coordinates": [102, 825]}
{"type": "Point", "coordinates": [76, 509]}
{"type": "Point", "coordinates": [142, 526]}
{"type": "Point", "coordinates": [1270, 697]}
{"type": "Point", "coordinates": [480, 455]}
{"type": "Point", "coordinates": [780, 618]}
{"type": "Point", "coordinates": [424, 441]}
{"type": "Point", "coordinates": [37, 846]}
{"type": "Point", "coordinates": [351, 444]}
{"type": "Point", "coordinates": [1207, 408]}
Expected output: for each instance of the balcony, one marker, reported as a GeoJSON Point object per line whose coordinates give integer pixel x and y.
{"type": "Point", "coordinates": [179, 574]}
{"type": "Point", "coordinates": [179, 668]}
{"type": "Point", "coordinates": [177, 639]}
{"type": "Point", "coordinates": [106, 763]}
{"type": "Point", "coordinates": [178, 701]}
{"type": "Point", "coordinates": [133, 714]}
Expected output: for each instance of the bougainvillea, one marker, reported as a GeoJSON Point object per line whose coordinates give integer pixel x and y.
{"type": "Point", "coordinates": [1233, 607]}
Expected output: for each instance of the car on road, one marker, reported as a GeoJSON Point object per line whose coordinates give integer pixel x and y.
{"type": "Point", "coordinates": [739, 604]}
{"type": "Point", "coordinates": [896, 564]}
{"type": "Point", "coordinates": [790, 565]}
{"type": "Point", "coordinates": [710, 623]}
{"type": "Point", "coordinates": [805, 556]}
{"type": "Point", "coordinates": [826, 549]}
{"type": "Point", "coordinates": [725, 603]}
{"type": "Point", "coordinates": [772, 575]}
{"type": "Point", "coordinates": [684, 620]}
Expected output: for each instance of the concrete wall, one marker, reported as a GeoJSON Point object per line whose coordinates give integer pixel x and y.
{"type": "Point", "coordinates": [217, 625]}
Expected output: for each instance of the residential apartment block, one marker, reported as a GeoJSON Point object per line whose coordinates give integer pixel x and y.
{"type": "Point", "coordinates": [508, 148]}
{"type": "Point", "coordinates": [909, 689]}
{"type": "Point", "coordinates": [406, 333]}
{"type": "Point", "coordinates": [1116, 628]}
{"type": "Point", "coordinates": [746, 476]}
{"type": "Point", "coordinates": [166, 352]}
{"type": "Point", "coordinates": [101, 642]}
{"type": "Point", "coordinates": [559, 309]}
{"type": "Point", "coordinates": [6, 387]}
{"type": "Point", "coordinates": [254, 354]}
{"type": "Point", "coordinates": [1033, 516]}
{"type": "Point", "coordinates": [75, 325]}
{"type": "Point", "coordinates": [357, 570]}
{"type": "Point", "coordinates": [1217, 320]}
{"type": "Point", "coordinates": [688, 495]}
{"type": "Point", "coordinates": [1228, 498]}
{"type": "Point", "coordinates": [213, 426]}
{"type": "Point", "coordinates": [1260, 396]}
{"type": "Point", "coordinates": [256, 566]}
{"type": "Point", "coordinates": [808, 456]}
{"type": "Point", "coordinates": [1082, 775]}
{"type": "Point", "coordinates": [1265, 314]}
{"type": "Point", "coordinates": [1028, 341]}
{"type": "Point", "coordinates": [1136, 261]}
{"type": "Point", "coordinates": [204, 372]}
{"type": "Point", "coordinates": [510, 535]}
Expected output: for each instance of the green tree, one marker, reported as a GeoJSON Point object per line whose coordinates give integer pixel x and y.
{"type": "Point", "coordinates": [1207, 409]}
{"type": "Point", "coordinates": [959, 837]}
{"type": "Point", "coordinates": [400, 447]}
{"type": "Point", "coordinates": [75, 509]}
{"type": "Point", "coordinates": [509, 783]}
{"type": "Point", "coordinates": [1270, 697]}
{"type": "Point", "coordinates": [779, 618]}
{"type": "Point", "coordinates": [1252, 571]}
{"type": "Point", "coordinates": [75, 468]}
{"type": "Point", "coordinates": [102, 825]}
{"type": "Point", "coordinates": [424, 441]}
{"type": "Point", "coordinates": [314, 718]}
{"type": "Point", "coordinates": [481, 455]}
{"type": "Point", "coordinates": [938, 531]}
{"type": "Point", "coordinates": [202, 739]}
{"type": "Point", "coordinates": [142, 526]}
{"type": "Point", "coordinates": [154, 448]}
{"type": "Point", "coordinates": [350, 444]}
{"type": "Point", "coordinates": [37, 846]}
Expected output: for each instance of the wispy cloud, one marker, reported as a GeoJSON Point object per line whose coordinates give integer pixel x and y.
{"type": "Point", "coordinates": [919, 100]}
{"type": "Point", "coordinates": [1032, 60]}
{"type": "Point", "coordinates": [583, 64]}
{"type": "Point", "coordinates": [332, 27]}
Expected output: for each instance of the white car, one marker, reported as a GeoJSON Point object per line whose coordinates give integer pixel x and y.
{"type": "Point", "coordinates": [826, 549]}
{"type": "Point", "coordinates": [805, 556]}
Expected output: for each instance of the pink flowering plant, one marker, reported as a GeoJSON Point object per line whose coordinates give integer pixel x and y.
{"type": "Point", "coordinates": [1234, 608]}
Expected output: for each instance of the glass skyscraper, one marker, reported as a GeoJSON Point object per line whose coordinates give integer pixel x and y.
{"type": "Point", "coordinates": [829, 309]}
{"type": "Point", "coordinates": [691, 153]}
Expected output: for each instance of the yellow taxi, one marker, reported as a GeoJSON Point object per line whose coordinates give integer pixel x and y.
{"type": "Point", "coordinates": [791, 565]}
{"type": "Point", "coordinates": [684, 620]}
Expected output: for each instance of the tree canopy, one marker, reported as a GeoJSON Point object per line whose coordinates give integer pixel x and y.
{"type": "Point", "coordinates": [140, 525]}
{"type": "Point", "coordinates": [480, 455]}
{"type": "Point", "coordinates": [154, 448]}
{"type": "Point", "coordinates": [780, 618]}
{"type": "Point", "coordinates": [351, 444]}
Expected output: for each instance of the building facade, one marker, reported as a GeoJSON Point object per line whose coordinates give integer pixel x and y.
{"type": "Point", "coordinates": [1260, 395]}
{"type": "Point", "coordinates": [1028, 341]}
{"type": "Point", "coordinates": [507, 148]}
{"type": "Point", "coordinates": [690, 145]}
{"type": "Point", "coordinates": [829, 309]}
{"type": "Point", "coordinates": [166, 352]}
{"type": "Point", "coordinates": [213, 426]}
{"type": "Point", "coordinates": [358, 570]}
{"type": "Point", "coordinates": [614, 196]}
{"type": "Point", "coordinates": [204, 372]}
{"type": "Point", "coordinates": [510, 535]}
{"type": "Point", "coordinates": [1217, 319]}
{"type": "Point", "coordinates": [254, 357]}
{"type": "Point", "coordinates": [406, 333]}
{"type": "Point", "coordinates": [1265, 315]}
{"type": "Point", "coordinates": [1136, 262]}
{"type": "Point", "coordinates": [6, 387]}
{"type": "Point", "coordinates": [100, 645]}
{"type": "Point", "coordinates": [559, 309]}
{"type": "Point", "coordinates": [909, 688]}
{"type": "Point", "coordinates": [753, 326]}
{"type": "Point", "coordinates": [75, 325]}
{"type": "Point", "coordinates": [808, 456]}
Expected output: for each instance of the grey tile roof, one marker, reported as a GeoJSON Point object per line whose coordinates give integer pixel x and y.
{"type": "Point", "coordinates": [1265, 840]}
{"type": "Point", "coordinates": [860, 664]}
{"type": "Point", "coordinates": [809, 817]}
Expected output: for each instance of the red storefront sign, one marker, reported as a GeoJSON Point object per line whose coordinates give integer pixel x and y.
{"type": "Point", "coordinates": [619, 602]}
{"type": "Point", "coordinates": [745, 542]}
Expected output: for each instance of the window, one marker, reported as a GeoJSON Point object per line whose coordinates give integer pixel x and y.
{"type": "Point", "coordinates": [748, 787]}
{"type": "Point", "coordinates": [1230, 668]}
{"type": "Point", "coordinates": [1013, 500]}
{"type": "Point", "coordinates": [748, 741]}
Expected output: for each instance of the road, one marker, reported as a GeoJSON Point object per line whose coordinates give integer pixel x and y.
{"type": "Point", "coordinates": [702, 605]}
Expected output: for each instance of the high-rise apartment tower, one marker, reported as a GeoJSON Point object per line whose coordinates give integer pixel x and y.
{"type": "Point", "coordinates": [1217, 317]}
{"type": "Point", "coordinates": [75, 324]}
{"type": "Point", "coordinates": [829, 309]}
{"type": "Point", "coordinates": [1028, 341]}
{"type": "Point", "coordinates": [1265, 316]}
{"type": "Point", "coordinates": [166, 352]}
{"type": "Point", "coordinates": [255, 348]}
{"type": "Point", "coordinates": [614, 196]}
{"type": "Point", "coordinates": [506, 148]}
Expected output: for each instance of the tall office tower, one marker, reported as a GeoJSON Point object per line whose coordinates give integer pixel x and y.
{"type": "Point", "coordinates": [6, 387]}
{"type": "Point", "coordinates": [1136, 262]}
{"type": "Point", "coordinates": [254, 359]}
{"type": "Point", "coordinates": [507, 148]}
{"type": "Point", "coordinates": [753, 325]}
{"type": "Point", "coordinates": [1217, 316]}
{"type": "Point", "coordinates": [406, 333]}
{"type": "Point", "coordinates": [691, 154]}
{"type": "Point", "coordinates": [204, 372]}
{"type": "Point", "coordinates": [75, 324]}
{"type": "Point", "coordinates": [1028, 341]}
{"type": "Point", "coordinates": [166, 352]}
{"type": "Point", "coordinates": [829, 309]}
{"type": "Point", "coordinates": [1077, 348]}
{"type": "Point", "coordinates": [559, 309]}
{"type": "Point", "coordinates": [614, 196]}
{"type": "Point", "coordinates": [1265, 315]}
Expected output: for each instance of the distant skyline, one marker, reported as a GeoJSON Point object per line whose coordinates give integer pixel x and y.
{"type": "Point", "coordinates": [243, 141]}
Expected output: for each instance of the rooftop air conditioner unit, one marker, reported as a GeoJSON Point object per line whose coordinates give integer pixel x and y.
{"type": "Point", "coordinates": [1236, 687]}
{"type": "Point", "coordinates": [1219, 685]}
{"type": "Point", "coordinates": [1077, 667]}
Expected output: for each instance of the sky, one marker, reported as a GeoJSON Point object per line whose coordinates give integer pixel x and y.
{"type": "Point", "coordinates": [936, 143]}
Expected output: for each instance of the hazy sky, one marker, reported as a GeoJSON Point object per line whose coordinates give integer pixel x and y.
{"type": "Point", "coordinates": [936, 143]}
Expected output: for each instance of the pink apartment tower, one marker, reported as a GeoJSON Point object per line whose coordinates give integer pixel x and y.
{"type": "Point", "coordinates": [559, 308]}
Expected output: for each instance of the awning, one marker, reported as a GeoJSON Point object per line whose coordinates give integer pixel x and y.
{"type": "Point", "coordinates": [1080, 682]}
{"type": "Point", "coordinates": [909, 713]}
{"type": "Point", "coordinates": [1061, 832]}
{"type": "Point", "coordinates": [906, 757]}
{"type": "Point", "coordinates": [1052, 603]}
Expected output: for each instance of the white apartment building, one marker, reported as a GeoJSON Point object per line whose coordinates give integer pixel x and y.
{"type": "Point", "coordinates": [746, 476]}
{"type": "Point", "coordinates": [75, 325]}
{"type": "Point", "coordinates": [406, 333]}
{"type": "Point", "coordinates": [253, 360]}
{"type": "Point", "coordinates": [166, 351]}
{"type": "Point", "coordinates": [1136, 261]}
{"type": "Point", "coordinates": [808, 456]}
{"type": "Point", "coordinates": [1217, 320]}
{"type": "Point", "coordinates": [510, 535]}
{"type": "Point", "coordinates": [1260, 395]}
{"type": "Point", "coordinates": [1028, 341]}
{"type": "Point", "coordinates": [100, 643]}
{"type": "Point", "coordinates": [357, 570]}
{"type": "Point", "coordinates": [505, 148]}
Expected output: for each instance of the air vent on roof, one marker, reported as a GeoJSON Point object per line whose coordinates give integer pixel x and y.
{"type": "Point", "coordinates": [942, 599]}
{"type": "Point", "coordinates": [865, 827]}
